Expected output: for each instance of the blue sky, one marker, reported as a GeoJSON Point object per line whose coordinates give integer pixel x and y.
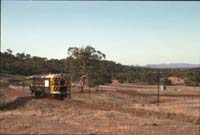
{"type": "Point", "coordinates": [127, 32]}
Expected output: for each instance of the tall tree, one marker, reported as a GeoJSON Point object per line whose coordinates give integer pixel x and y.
{"type": "Point", "coordinates": [87, 58]}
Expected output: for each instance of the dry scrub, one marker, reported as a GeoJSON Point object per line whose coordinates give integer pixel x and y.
{"type": "Point", "coordinates": [127, 109]}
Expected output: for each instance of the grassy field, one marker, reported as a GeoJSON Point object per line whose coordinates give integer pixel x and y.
{"type": "Point", "coordinates": [113, 109]}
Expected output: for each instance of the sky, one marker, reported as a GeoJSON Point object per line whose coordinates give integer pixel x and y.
{"type": "Point", "coordinates": [127, 32]}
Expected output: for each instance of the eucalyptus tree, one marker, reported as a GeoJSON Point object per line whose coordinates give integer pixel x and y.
{"type": "Point", "coordinates": [87, 60]}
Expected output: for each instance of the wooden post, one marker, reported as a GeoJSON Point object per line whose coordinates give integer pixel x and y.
{"type": "Point", "coordinates": [89, 86]}
{"type": "Point", "coordinates": [158, 77]}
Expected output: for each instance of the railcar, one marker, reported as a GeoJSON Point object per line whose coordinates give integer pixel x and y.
{"type": "Point", "coordinates": [51, 84]}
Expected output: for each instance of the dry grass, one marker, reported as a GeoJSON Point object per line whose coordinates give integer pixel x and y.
{"type": "Point", "coordinates": [127, 109]}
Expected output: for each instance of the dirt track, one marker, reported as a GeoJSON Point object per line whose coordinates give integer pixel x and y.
{"type": "Point", "coordinates": [112, 110]}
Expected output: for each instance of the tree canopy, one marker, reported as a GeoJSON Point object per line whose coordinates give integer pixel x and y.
{"type": "Point", "coordinates": [91, 61]}
{"type": "Point", "coordinates": [85, 62]}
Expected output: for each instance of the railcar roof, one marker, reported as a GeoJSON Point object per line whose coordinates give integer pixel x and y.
{"type": "Point", "coordinates": [49, 76]}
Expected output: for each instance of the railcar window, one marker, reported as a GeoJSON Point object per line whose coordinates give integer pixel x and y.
{"type": "Point", "coordinates": [62, 82]}
{"type": "Point", "coordinates": [66, 81]}
{"type": "Point", "coordinates": [46, 83]}
{"type": "Point", "coordinates": [56, 82]}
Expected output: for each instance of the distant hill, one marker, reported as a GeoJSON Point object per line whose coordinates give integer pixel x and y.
{"type": "Point", "coordinates": [173, 65]}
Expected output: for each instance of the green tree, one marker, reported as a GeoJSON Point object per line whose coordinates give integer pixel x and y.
{"type": "Point", "coordinates": [9, 51]}
{"type": "Point", "coordinates": [193, 77]}
{"type": "Point", "coordinates": [21, 56]}
{"type": "Point", "coordinates": [88, 60]}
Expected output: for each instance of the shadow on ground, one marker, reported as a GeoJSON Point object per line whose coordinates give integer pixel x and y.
{"type": "Point", "coordinates": [18, 102]}
{"type": "Point", "coordinates": [134, 93]}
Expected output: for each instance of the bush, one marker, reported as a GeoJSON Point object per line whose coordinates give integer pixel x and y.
{"type": "Point", "coordinates": [166, 82]}
{"type": "Point", "coordinates": [2, 102]}
{"type": "Point", "coordinates": [193, 78]}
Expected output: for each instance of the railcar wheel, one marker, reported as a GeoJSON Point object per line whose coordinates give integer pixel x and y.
{"type": "Point", "coordinates": [61, 97]}
{"type": "Point", "coordinates": [69, 95]}
{"type": "Point", "coordinates": [38, 94]}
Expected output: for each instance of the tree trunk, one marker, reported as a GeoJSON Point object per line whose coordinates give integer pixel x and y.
{"type": "Point", "coordinates": [82, 82]}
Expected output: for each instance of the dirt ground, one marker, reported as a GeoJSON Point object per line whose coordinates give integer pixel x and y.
{"type": "Point", "coordinates": [113, 109]}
